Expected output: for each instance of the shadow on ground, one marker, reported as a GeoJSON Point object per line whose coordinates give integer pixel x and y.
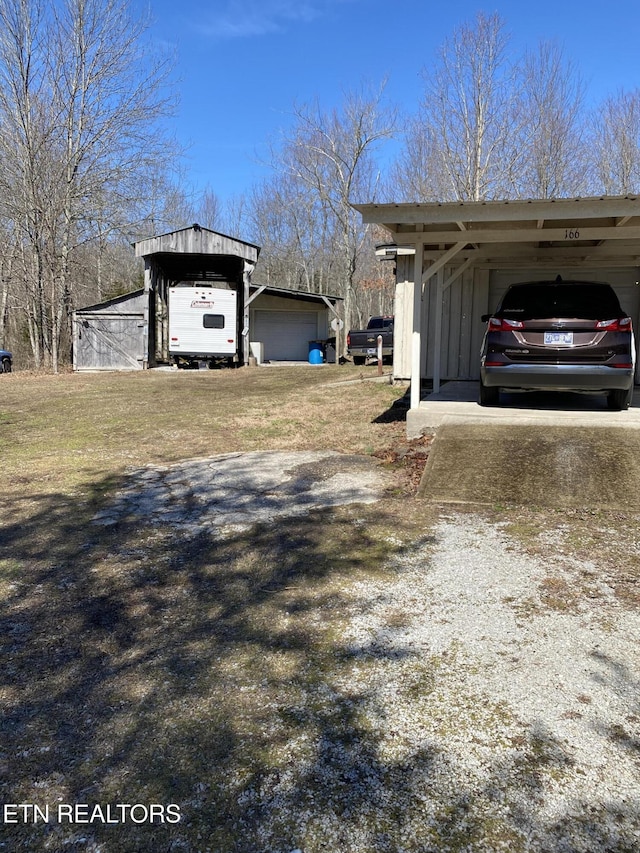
{"type": "Point", "coordinates": [396, 412]}
{"type": "Point", "coordinates": [145, 666]}
{"type": "Point", "coordinates": [535, 465]}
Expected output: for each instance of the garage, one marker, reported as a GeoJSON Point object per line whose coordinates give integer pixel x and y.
{"type": "Point", "coordinates": [285, 334]}
{"type": "Point", "coordinates": [283, 321]}
{"type": "Point", "coordinates": [454, 259]}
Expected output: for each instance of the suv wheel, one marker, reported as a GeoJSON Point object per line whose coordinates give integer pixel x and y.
{"type": "Point", "coordinates": [619, 400]}
{"type": "Point", "coordinates": [488, 396]}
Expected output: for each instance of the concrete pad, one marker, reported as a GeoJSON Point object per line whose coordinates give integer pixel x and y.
{"type": "Point", "coordinates": [457, 402]}
{"type": "Point", "coordinates": [231, 492]}
{"type": "Point", "coordinates": [534, 464]}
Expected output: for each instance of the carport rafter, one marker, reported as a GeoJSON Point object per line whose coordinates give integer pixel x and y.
{"type": "Point", "coordinates": [534, 235]}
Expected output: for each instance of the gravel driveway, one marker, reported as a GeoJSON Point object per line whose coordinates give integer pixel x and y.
{"type": "Point", "coordinates": [479, 717]}
{"type": "Point", "coordinates": [491, 695]}
{"type": "Point", "coordinates": [530, 716]}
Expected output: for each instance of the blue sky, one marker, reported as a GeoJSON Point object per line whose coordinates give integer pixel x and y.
{"type": "Point", "coordinates": [241, 64]}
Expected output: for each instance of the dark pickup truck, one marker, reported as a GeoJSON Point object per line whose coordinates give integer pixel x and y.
{"type": "Point", "coordinates": [363, 343]}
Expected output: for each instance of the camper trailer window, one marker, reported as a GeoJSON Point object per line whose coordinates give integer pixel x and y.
{"type": "Point", "coordinates": [213, 321]}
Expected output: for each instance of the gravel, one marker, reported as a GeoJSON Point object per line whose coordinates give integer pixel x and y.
{"type": "Point", "coordinates": [468, 714]}
{"type": "Point", "coordinates": [481, 698]}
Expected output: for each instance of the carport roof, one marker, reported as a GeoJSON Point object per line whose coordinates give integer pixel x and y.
{"type": "Point", "coordinates": [603, 231]}
{"type": "Point", "coordinates": [196, 240]}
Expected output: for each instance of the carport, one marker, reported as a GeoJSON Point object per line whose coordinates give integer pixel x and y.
{"type": "Point", "coordinates": [453, 261]}
{"type": "Point", "coordinates": [194, 254]}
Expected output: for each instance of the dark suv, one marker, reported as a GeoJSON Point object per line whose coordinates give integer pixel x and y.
{"type": "Point", "coordinates": [558, 336]}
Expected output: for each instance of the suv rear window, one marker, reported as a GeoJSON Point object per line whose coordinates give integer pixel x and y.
{"type": "Point", "coordinates": [576, 300]}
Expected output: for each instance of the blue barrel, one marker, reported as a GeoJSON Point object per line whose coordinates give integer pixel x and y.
{"type": "Point", "coordinates": [316, 355]}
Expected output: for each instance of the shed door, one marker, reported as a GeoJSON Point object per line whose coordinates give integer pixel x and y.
{"type": "Point", "coordinates": [110, 343]}
{"type": "Point", "coordinates": [285, 334]}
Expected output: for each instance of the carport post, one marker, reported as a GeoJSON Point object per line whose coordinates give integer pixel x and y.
{"type": "Point", "coordinates": [247, 269]}
{"type": "Point", "coordinates": [437, 269]}
{"type": "Point", "coordinates": [416, 337]}
{"type": "Point", "coordinates": [437, 335]}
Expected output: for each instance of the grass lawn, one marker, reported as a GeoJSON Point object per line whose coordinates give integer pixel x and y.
{"type": "Point", "coordinates": [144, 667]}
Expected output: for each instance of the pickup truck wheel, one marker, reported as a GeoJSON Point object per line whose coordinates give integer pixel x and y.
{"type": "Point", "coordinates": [359, 359]}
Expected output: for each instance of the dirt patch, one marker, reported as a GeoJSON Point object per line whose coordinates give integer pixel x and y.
{"type": "Point", "coordinates": [597, 553]}
{"type": "Point", "coordinates": [408, 457]}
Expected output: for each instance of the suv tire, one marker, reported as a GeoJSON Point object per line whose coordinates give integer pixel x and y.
{"type": "Point", "coordinates": [488, 396]}
{"type": "Point", "coordinates": [619, 400]}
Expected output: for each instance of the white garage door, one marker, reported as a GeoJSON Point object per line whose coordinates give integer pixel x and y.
{"type": "Point", "coordinates": [285, 334]}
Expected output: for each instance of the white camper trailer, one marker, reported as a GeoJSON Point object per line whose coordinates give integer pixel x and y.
{"type": "Point", "coordinates": [203, 324]}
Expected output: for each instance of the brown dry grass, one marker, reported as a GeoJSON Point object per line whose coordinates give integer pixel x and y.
{"type": "Point", "coordinates": [596, 552]}
{"type": "Point", "coordinates": [142, 666]}
{"type": "Point", "coordinates": [76, 426]}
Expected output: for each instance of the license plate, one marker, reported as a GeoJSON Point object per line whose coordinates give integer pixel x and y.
{"type": "Point", "coordinates": [372, 351]}
{"type": "Point", "coordinates": [558, 339]}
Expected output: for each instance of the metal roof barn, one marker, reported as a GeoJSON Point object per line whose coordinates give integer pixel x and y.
{"type": "Point", "coordinates": [132, 331]}
{"type": "Point", "coordinates": [195, 254]}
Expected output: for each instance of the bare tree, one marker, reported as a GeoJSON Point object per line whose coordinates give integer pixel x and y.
{"type": "Point", "coordinates": [24, 133]}
{"type": "Point", "coordinates": [329, 157]}
{"type": "Point", "coordinates": [80, 102]}
{"type": "Point", "coordinates": [417, 174]}
{"type": "Point", "coordinates": [295, 232]}
{"type": "Point", "coordinates": [492, 125]}
{"type": "Point", "coordinates": [553, 161]}
{"type": "Point", "coordinates": [615, 138]}
{"type": "Point", "coordinates": [209, 210]}
{"type": "Point", "coordinates": [470, 112]}
{"type": "Point", "coordinates": [234, 215]}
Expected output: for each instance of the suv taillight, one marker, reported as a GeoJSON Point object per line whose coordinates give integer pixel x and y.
{"type": "Point", "coordinates": [501, 324]}
{"type": "Point", "coordinates": [622, 324]}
